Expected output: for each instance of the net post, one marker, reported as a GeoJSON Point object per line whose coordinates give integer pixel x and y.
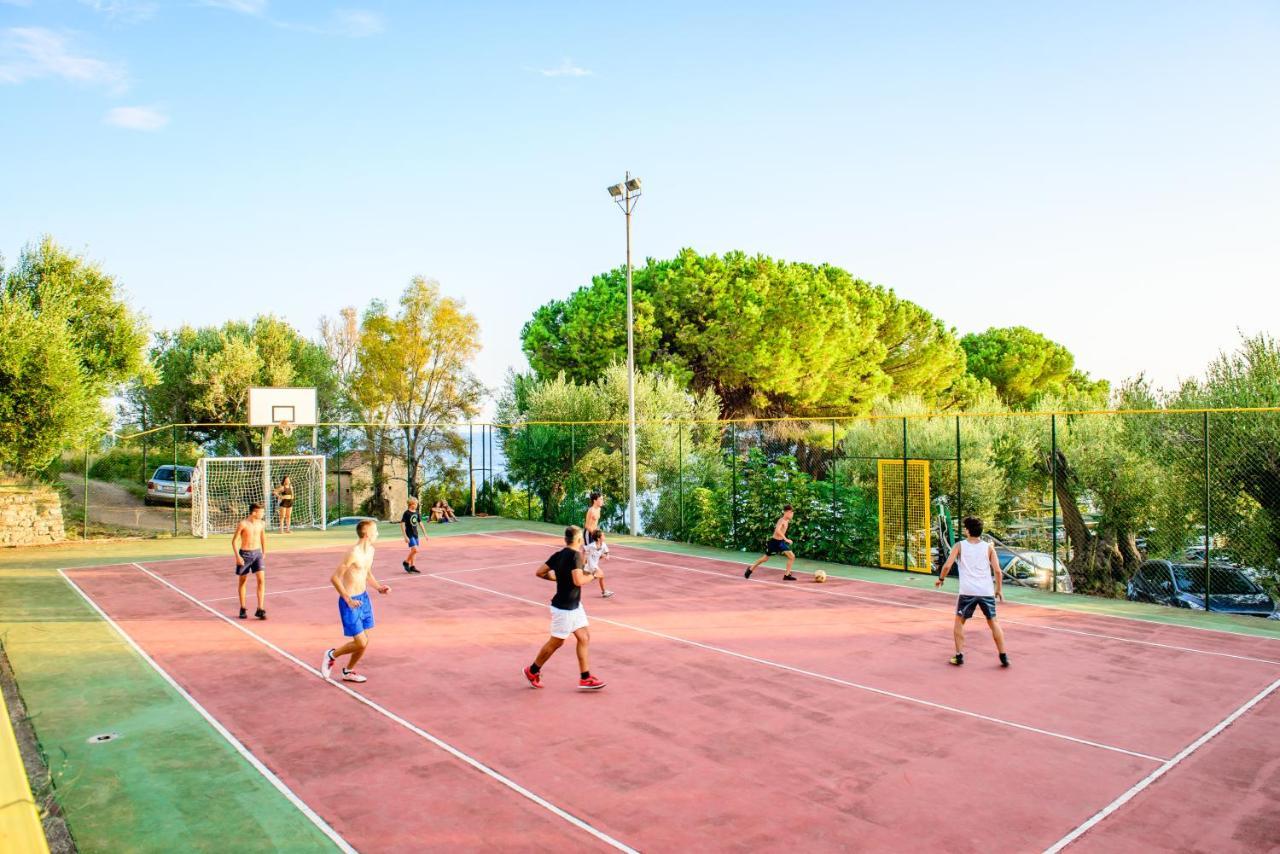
{"type": "Point", "coordinates": [1053, 490]}
{"type": "Point", "coordinates": [174, 432]}
{"type": "Point", "coordinates": [1208, 541]}
{"type": "Point", "coordinates": [906, 543]}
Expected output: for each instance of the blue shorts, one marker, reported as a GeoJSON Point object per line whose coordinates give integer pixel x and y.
{"type": "Point", "coordinates": [966, 605]}
{"type": "Point", "coordinates": [252, 562]}
{"type": "Point", "coordinates": [413, 541]}
{"type": "Point", "coordinates": [356, 620]}
{"type": "Point", "coordinates": [777, 547]}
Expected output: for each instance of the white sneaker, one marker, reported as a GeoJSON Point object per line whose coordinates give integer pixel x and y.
{"type": "Point", "coordinates": [327, 667]}
{"type": "Point", "coordinates": [352, 676]}
{"type": "Point", "coordinates": [606, 594]}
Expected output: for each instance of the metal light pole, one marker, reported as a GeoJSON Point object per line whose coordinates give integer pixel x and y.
{"type": "Point", "coordinates": [626, 194]}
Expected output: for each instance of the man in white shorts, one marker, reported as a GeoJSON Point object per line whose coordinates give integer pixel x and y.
{"type": "Point", "coordinates": [980, 586]}
{"type": "Point", "coordinates": [565, 568]}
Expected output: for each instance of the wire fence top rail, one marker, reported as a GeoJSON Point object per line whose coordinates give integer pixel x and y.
{"type": "Point", "coordinates": [517, 425]}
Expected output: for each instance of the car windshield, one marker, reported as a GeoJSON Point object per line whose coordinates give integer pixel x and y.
{"type": "Point", "coordinates": [1224, 580]}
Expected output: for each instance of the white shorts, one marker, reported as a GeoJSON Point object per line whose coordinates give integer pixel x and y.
{"type": "Point", "coordinates": [565, 623]}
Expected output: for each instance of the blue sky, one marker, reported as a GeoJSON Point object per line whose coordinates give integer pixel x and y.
{"type": "Point", "coordinates": [1106, 173]}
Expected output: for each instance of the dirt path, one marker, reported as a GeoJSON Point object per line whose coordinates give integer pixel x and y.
{"type": "Point", "coordinates": [114, 505]}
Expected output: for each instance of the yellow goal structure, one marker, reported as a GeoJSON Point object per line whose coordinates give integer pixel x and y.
{"type": "Point", "coordinates": [905, 527]}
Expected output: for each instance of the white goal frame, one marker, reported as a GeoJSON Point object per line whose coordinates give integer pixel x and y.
{"type": "Point", "coordinates": [314, 505]}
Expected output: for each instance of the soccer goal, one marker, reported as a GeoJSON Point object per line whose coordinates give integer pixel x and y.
{"type": "Point", "coordinates": [223, 488]}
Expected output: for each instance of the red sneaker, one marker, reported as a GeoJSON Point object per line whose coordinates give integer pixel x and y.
{"type": "Point", "coordinates": [591, 683]}
{"type": "Point", "coordinates": [535, 679]}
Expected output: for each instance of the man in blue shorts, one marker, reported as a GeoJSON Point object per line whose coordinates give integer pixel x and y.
{"type": "Point", "coordinates": [778, 545]}
{"type": "Point", "coordinates": [354, 608]}
{"type": "Point", "coordinates": [980, 586]}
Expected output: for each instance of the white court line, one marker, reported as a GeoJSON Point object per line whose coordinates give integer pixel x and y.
{"type": "Point", "coordinates": [824, 677]}
{"type": "Point", "coordinates": [1167, 766]}
{"type": "Point", "coordinates": [903, 604]}
{"type": "Point", "coordinates": [262, 769]}
{"type": "Point", "coordinates": [443, 745]}
{"type": "Point", "coordinates": [1076, 611]}
{"type": "Point", "coordinates": [399, 579]}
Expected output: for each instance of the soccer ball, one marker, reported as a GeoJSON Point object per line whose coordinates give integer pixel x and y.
{"type": "Point", "coordinates": [820, 576]}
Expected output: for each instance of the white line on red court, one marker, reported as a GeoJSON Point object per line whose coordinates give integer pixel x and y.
{"type": "Point", "coordinates": [824, 677]}
{"type": "Point", "coordinates": [400, 579]}
{"type": "Point", "coordinates": [443, 745]}
{"type": "Point", "coordinates": [828, 591]}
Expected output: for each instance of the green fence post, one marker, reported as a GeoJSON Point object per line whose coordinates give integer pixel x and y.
{"type": "Point", "coordinates": [573, 468]}
{"type": "Point", "coordinates": [471, 465]}
{"type": "Point", "coordinates": [84, 530]}
{"type": "Point", "coordinates": [835, 473]}
{"type": "Point", "coordinates": [1208, 535]}
{"type": "Point", "coordinates": [733, 500]}
{"type": "Point", "coordinates": [680, 475]}
{"type": "Point", "coordinates": [1053, 468]}
{"type": "Point", "coordinates": [906, 542]}
{"type": "Point", "coordinates": [175, 479]}
{"type": "Point", "coordinates": [959, 511]}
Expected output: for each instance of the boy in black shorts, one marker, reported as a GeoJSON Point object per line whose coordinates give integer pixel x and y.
{"type": "Point", "coordinates": [409, 521]}
{"type": "Point", "coordinates": [778, 545]}
{"type": "Point", "coordinates": [980, 586]}
{"type": "Point", "coordinates": [249, 543]}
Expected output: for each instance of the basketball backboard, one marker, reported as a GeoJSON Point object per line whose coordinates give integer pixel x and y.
{"type": "Point", "coordinates": [270, 406]}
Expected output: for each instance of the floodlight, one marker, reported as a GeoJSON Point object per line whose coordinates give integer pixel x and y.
{"type": "Point", "coordinates": [633, 184]}
{"type": "Point", "coordinates": [616, 190]}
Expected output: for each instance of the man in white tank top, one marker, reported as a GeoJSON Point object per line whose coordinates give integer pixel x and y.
{"type": "Point", "coordinates": [980, 586]}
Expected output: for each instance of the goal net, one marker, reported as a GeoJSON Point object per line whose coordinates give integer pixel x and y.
{"type": "Point", "coordinates": [224, 487]}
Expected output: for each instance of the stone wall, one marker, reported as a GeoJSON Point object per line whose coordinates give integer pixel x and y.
{"type": "Point", "coordinates": [30, 516]}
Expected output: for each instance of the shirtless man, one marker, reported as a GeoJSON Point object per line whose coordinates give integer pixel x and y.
{"type": "Point", "coordinates": [778, 545]}
{"type": "Point", "coordinates": [249, 543]}
{"type": "Point", "coordinates": [350, 580]}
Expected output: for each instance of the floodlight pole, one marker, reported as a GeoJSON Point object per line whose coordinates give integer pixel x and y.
{"type": "Point", "coordinates": [627, 203]}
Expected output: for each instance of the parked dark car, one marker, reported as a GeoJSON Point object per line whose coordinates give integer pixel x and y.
{"type": "Point", "coordinates": [1181, 585]}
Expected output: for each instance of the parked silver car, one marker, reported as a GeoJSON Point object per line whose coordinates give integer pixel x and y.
{"type": "Point", "coordinates": [1033, 569]}
{"type": "Point", "coordinates": [169, 485]}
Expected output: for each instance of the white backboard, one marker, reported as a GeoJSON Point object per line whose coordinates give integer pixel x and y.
{"type": "Point", "coordinates": [269, 406]}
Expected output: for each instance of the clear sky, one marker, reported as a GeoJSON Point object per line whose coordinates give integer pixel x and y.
{"type": "Point", "coordinates": [1106, 173]}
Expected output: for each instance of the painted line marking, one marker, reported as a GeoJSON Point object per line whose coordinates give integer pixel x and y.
{"type": "Point", "coordinates": [266, 772]}
{"type": "Point", "coordinates": [830, 592]}
{"type": "Point", "coordinates": [1164, 768]}
{"type": "Point", "coordinates": [405, 576]}
{"type": "Point", "coordinates": [443, 745]}
{"type": "Point", "coordinates": [824, 677]}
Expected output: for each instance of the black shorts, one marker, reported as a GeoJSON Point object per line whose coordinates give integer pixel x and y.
{"type": "Point", "coordinates": [966, 605]}
{"type": "Point", "coordinates": [286, 503]}
{"type": "Point", "coordinates": [252, 562]}
{"type": "Point", "coordinates": [777, 547]}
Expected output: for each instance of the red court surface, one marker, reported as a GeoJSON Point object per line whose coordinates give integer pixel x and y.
{"type": "Point", "coordinates": [739, 715]}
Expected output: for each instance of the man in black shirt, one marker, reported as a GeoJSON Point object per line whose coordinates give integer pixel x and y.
{"type": "Point", "coordinates": [409, 522]}
{"type": "Point", "coordinates": [565, 568]}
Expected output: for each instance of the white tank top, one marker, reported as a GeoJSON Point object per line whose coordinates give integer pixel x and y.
{"type": "Point", "coordinates": [974, 568]}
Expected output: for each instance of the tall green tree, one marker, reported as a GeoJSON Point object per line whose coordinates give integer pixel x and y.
{"type": "Point", "coordinates": [203, 375]}
{"type": "Point", "coordinates": [69, 341]}
{"type": "Point", "coordinates": [1025, 366]}
{"type": "Point", "coordinates": [413, 370]}
{"type": "Point", "coordinates": [561, 463]}
{"type": "Point", "coordinates": [767, 336]}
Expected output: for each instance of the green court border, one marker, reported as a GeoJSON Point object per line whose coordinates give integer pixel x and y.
{"type": "Point", "coordinates": [172, 782]}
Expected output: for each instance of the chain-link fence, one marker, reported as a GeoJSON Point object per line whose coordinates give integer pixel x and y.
{"type": "Point", "coordinates": [1176, 507]}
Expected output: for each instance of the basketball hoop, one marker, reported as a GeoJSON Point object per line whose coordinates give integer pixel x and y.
{"type": "Point", "coordinates": [286, 428]}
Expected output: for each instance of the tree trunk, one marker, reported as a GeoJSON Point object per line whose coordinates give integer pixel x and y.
{"type": "Point", "coordinates": [1096, 562]}
{"type": "Point", "coordinates": [377, 467]}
